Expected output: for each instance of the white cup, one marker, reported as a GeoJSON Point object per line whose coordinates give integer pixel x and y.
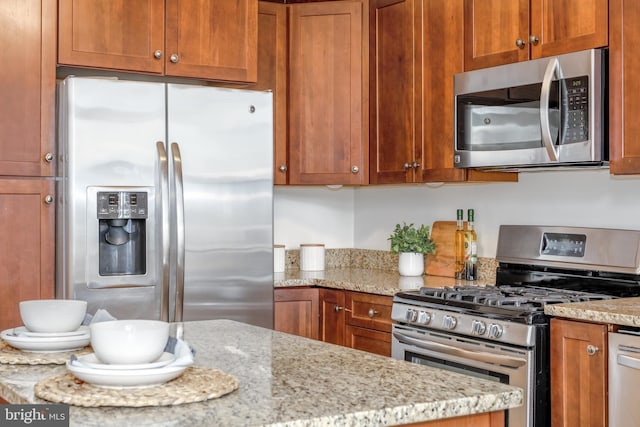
{"type": "Point", "coordinates": [311, 257]}
{"type": "Point", "coordinates": [278, 258]}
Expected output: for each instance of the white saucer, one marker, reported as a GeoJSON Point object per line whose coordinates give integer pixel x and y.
{"type": "Point", "coordinates": [92, 361]}
{"type": "Point", "coordinates": [133, 378]}
{"type": "Point", "coordinates": [45, 344]}
{"type": "Point", "coordinates": [22, 331]}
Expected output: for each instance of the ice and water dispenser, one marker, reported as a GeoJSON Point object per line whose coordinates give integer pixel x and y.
{"type": "Point", "coordinates": [122, 232]}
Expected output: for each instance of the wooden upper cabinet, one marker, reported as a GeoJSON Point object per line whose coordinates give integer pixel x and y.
{"type": "Point", "coordinates": [504, 31]}
{"type": "Point", "coordinates": [272, 75]}
{"type": "Point", "coordinates": [328, 114]}
{"type": "Point", "coordinates": [116, 34]}
{"type": "Point", "coordinates": [212, 39]}
{"type": "Point", "coordinates": [395, 134]}
{"type": "Point", "coordinates": [27, 87]}
{"type": "Point", "coordinates": [624, 108]}
{"type": "Point", "coordinates": [206, 39]}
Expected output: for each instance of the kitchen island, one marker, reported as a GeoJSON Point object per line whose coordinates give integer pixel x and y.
{"type": "Point", "coordinates": [286, 380]}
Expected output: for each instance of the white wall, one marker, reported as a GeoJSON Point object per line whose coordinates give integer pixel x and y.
{"type": "Point", "coordinates": [363, 217]}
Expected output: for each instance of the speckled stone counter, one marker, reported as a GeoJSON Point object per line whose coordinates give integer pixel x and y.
{"type": "Point", "coordinates": [373, 281]}
{"type": "Point", "coordinates": [620, 311]}
{"type": "Point", "coordinates": [286, 380]}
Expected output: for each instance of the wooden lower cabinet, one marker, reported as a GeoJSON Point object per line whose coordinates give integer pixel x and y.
{"type": "Point", "coordinates": [578, 374]}
{"type": "Point", "coordinates": [296, 311]}
{"type": "Point", "coordinates": [27, 245]}
{"type": "Point", "coordinates": [354, 319]}
{"type": "Point", "coordinates": [489, 419]}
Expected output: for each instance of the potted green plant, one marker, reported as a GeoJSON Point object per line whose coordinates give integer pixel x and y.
{"type": "Point", "coordinates": [411, 243]}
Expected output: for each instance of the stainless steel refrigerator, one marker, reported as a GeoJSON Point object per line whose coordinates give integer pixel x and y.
{"type": "Point", "coordinates": [165, 200]}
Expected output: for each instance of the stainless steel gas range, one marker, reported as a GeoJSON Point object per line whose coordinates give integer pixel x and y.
{"type": "Point", "coordinates": [501, 332]}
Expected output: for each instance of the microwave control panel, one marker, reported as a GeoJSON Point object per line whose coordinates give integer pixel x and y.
{"type": "Point", "coordinates": [576, 104]}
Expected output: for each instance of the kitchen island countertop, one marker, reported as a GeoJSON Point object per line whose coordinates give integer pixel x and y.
{"type": "Point", "coordinates": [617, 311]}
{"type": "Point", "coordinates": [286, 380]}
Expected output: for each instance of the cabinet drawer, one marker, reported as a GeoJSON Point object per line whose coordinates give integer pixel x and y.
{"type": "Point", "coordinates": [368, 311]}
{"type": "Point", "coordinates": [368, 340]}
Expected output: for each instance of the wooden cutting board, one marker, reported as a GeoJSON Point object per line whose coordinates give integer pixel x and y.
{"type": "Point", "coordinates": [443, 262]}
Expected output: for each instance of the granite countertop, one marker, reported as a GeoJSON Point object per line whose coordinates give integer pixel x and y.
{"type": "Point", "coordinates": [372, 281]}
{"type": "Point", "coordinates": [286, 380]}
{"type": "Point", "coordinates": [617, 311]}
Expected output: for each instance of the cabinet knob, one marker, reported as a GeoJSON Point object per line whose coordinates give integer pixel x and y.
{"type": "Point", "coordinates": [355, 169]}
{"type": "Point", "coordinates": [174, 58]}
{"type": "Point", "coordinates": [520, 43]}
{"type": "Point", "coordinates": [592, 349]}
{"type": "Point", "coordinates": [337, 308]}
{"type": "Point", "coordinates": [48, 157]}
{"type": "Point", "coordinates": [157, 54]}
{"type": "Point", "coordinates": [283, 168]}
{"type": "Point", "coordinates": [406, 166]}
{"type": "Point", "coordinates": [48, 199]}
{"type": "Point", "coordinates": [372, 312]}
{"type": "Point", "coordinates": [533, 40]}
{"type": "Point", "coordinates": [415, 165]}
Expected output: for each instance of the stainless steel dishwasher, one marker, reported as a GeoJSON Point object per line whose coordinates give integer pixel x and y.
{"type": "Point", "coordinates": [624, 378]}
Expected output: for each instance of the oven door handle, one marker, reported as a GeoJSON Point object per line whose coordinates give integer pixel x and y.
{"type": "Point", "coordinates": [495, 359]}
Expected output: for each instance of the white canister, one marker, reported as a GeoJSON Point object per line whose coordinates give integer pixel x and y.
{"type": "Point", "coordinates": [278, 258]}
{"type": "Point", "coordinates": [311, 257]}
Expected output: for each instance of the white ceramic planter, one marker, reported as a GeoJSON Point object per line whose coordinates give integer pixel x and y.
{"type": "Point", "coordinates": [411, 264]}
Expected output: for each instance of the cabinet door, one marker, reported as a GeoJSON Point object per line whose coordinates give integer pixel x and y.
{"type": "Point", "coordinates": [27, 227]}
{"type": "Point", "coordinates": [368, 311]}
{"type": "Point", "coordinates": [272, 75]}
{"type": "Point", "coordinates": [567, 26]}
{"type": "Point", "coordinates": [332, 316]}
{"type": "Point", "coordinates": [296, 311]}
{"type": "Point", "coordinates": [578, 374]}
{"type": "Point", "coordinates": [27, 87]}
{"type": "Point", "coordinates": [212, 39]}
{"type": "Point", "coordinates": [396, 84]}
{"type": "Point", "coordinates": [117, 34]}
{"type": "Point", "coordinates": [624, 108]}
{"type": "Point", "coordinates": [328, 141]}
{"type": "Point", "coordinates": [496, 32]}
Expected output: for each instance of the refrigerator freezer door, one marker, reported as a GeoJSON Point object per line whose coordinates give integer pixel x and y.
{"type": "Point", "coordinates": [225, 140]}
{"type": "Point", "coordinates": [108, 131]}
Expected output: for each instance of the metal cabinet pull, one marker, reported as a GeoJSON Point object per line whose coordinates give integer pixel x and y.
{"type": "Point", "coordinates": [533, 40]}
{"type": "Point", "coordinates": [415, 165]}
{"type": "Point", "coordinates": [48, 199]}
{"type": "Point", "coordinates": [283, 168]}
{"type": "Point", "coordinates": [174, 58]}
{"type": "Point", "coordinates": [337, 308]}
{"type": "Point", "coordinates": [406, 166]}
{"type": "Point", "coordinates": [157, 54]}
{"type": "Point", "coordinates": [48, 157]}
{"type": "Point", "coordinates": [355, 169]}
{"type": "Point", "coordinates": [592, 349]}
{"type": "Point", "coordinates": [520, 43]}
{"type": "Point", "coordinates": [372, 312]}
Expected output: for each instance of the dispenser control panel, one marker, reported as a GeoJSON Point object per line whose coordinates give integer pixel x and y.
{"type": "Point", "coordinates": [122, 204]}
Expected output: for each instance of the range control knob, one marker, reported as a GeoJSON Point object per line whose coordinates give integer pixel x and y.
{"type": "Point", "coordinates": [424, 317]}
{"type": "Point", "coordinates": [495, 331]}
{"type": "Point", "coordinates": [478, 327]}
{"type": "Point", "coordinates": [449, 322]}
{"type": "Point", "coordinates": [411, 315]}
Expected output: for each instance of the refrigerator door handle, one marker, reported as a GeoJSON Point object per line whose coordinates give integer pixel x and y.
{"type": "Point", "coordinates": [179, 224]}
{"type": "Point", "coordinates": [163, 171]}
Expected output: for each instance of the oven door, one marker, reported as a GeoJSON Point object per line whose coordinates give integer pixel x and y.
{"type": "Point", "coordinates": [506, 364]}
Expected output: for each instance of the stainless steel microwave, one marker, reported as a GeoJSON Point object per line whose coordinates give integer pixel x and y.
{"type": "Point", "coordinates": [540, 113]}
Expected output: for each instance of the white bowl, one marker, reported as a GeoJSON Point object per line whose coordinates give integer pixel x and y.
{"type": "Point", "coordinates": [128, 342]}
{"type": "Point", "coordinates": [53, 315]}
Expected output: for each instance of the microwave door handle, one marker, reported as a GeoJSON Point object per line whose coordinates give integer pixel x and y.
{"type": "Point", "coordinates": [479, 356]}
{"type": "Point", "coordinates": [553, 68]}
{"type": "Point", "coordinates": [163, 217]}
